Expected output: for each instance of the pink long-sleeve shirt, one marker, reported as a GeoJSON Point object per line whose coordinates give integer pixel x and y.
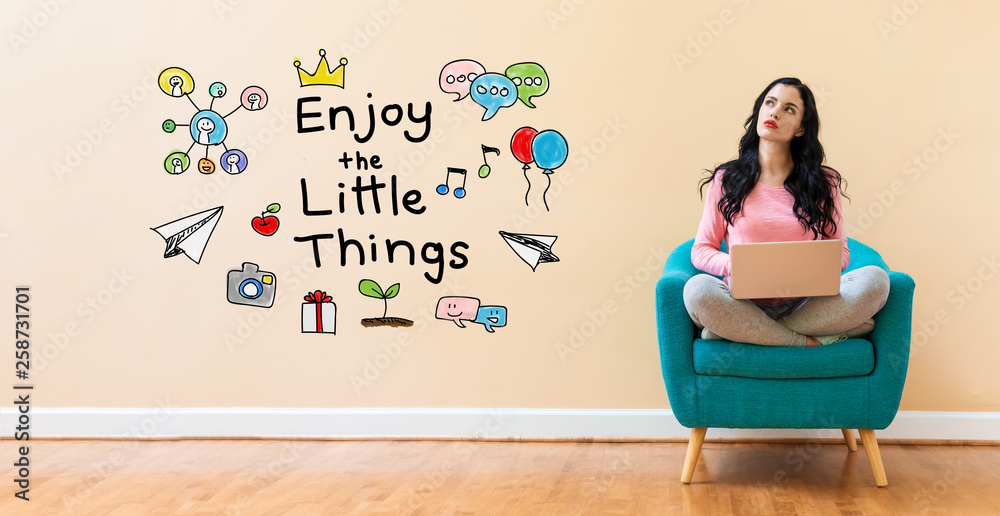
{"type": "Point", "coordinates": [767, 217]}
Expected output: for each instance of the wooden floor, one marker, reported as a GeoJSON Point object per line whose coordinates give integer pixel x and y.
{"type": "Point", "coordinates": [190, 477]}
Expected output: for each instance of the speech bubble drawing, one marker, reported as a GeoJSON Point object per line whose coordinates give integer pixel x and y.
{"type": "Point", "coordinates": [493, 91]}
{"type": "Point", "coordinates": [530, 80]}
{"type": "Point", "coordinates": [457, 76]}
{"type": "Point", "coordinates": [458, 309]}
{"type": "Point", "coordinates": [490, 316]}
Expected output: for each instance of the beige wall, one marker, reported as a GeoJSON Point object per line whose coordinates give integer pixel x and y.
{"type": "Point", "coordinates": [640, 128]}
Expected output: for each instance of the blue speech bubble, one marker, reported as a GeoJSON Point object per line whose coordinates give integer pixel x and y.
{"type": "Point", "coordinates": [490, 316]}
{"type": "Point", "coordinates": [493, 91]}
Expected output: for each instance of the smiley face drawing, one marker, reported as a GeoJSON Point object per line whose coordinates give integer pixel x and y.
{"type": "Point", "coordinates": [175, 83]}
{"type": "Point", "coordinates": [206, 166]}
{"type": "Point", "coordinates": [457, 309]}
{"type": "Point", "coordinates": [254, 101]}
{"type": "Point", "coordinates": [232, 164]}
{"type": "Point", "coordinates": [176, 163]}
{"type": "Point", "coordinates": [205, 128]}
{"type": "Point", "coordinates": [217, 90]}
{"type": "Point", "coordinates": [491, 316]}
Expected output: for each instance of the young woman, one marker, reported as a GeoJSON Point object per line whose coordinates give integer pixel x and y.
{"type": "Point", "coordinates": [776, 191]}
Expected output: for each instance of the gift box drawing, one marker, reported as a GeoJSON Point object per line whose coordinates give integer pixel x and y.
{"type": "Point", "coordinates": [319, 313]}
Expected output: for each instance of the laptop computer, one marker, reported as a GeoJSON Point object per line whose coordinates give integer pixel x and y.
{"type": "Point", "coordinates": [785, 269]}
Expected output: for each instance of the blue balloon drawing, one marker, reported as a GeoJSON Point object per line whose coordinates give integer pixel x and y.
{"type": "Point", "coordinates": [550, 150]}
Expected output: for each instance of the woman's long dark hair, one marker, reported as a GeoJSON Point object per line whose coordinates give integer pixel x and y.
{"type": "Point", "coordinates": [809, 182]}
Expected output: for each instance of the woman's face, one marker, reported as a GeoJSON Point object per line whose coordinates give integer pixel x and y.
{"type": "Point", "coordinates": [780, 117]}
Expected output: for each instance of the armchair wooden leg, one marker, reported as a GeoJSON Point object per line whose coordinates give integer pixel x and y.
{"type": "Point", "coordinates": [874, 457]}
{"type": "Point", "coordinates": [694, 449]}
{"type": "Point", "coordinates": [852, 445]}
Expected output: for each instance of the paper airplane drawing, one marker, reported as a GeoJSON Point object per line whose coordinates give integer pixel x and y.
{"type": "Point", "coordinates": [189, 235]}
{"type": "Point", "coordinates": [533, 249]}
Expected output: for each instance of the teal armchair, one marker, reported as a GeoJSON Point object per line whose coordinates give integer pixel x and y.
{"type": "Point", "coordinates": [856, 383]}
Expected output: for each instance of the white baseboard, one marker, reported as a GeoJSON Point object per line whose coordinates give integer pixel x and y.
{"type": "Point", "coordinates": [406, 423]}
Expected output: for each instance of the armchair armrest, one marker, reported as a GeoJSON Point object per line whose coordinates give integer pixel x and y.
{"type": "Point", "coordinates": [675, 333]}
{"type": "Point", "coordinates": [891, 340]}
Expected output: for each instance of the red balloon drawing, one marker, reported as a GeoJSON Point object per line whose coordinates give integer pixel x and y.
{"type": "Point", "coordinates": [520, 145]}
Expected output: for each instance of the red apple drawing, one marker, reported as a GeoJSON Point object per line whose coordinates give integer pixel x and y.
{"type": "Point", "coordinates": [266, 224]}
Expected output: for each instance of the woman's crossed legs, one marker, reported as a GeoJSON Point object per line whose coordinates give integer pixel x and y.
{"type": "Point", "coordinates": [863, 293]}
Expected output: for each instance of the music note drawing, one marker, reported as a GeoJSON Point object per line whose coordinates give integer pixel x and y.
{"type": "Point", "coordinates": [460, 191]}
{"type": "Point", "coordinates": [484, 170]}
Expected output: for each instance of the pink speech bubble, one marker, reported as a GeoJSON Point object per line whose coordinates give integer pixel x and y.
{"type": "Point", "coordinates": [457, 76]}
{"type": "Point", "coordinates": [458, 309]}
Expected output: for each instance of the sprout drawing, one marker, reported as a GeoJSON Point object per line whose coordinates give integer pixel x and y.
{"type": "Point", "coordinates": [370, 288]}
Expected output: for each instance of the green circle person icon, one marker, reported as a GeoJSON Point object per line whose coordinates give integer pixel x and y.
{"type": "Point", "coordinates": [176, 163]}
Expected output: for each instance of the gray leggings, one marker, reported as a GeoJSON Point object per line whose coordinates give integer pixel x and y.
{"type": "Point", "coordinates": [863, 293]}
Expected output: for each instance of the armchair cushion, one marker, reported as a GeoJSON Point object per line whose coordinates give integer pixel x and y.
{"type": "Point", "coordinates": [853, 357]}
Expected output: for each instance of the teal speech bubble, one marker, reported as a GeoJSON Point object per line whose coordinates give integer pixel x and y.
{"type": "Point", "coordinates": [530, 79]}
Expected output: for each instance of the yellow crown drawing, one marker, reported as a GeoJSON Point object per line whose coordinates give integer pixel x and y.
{"type": "Point", "coordinates": [324, 75]}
